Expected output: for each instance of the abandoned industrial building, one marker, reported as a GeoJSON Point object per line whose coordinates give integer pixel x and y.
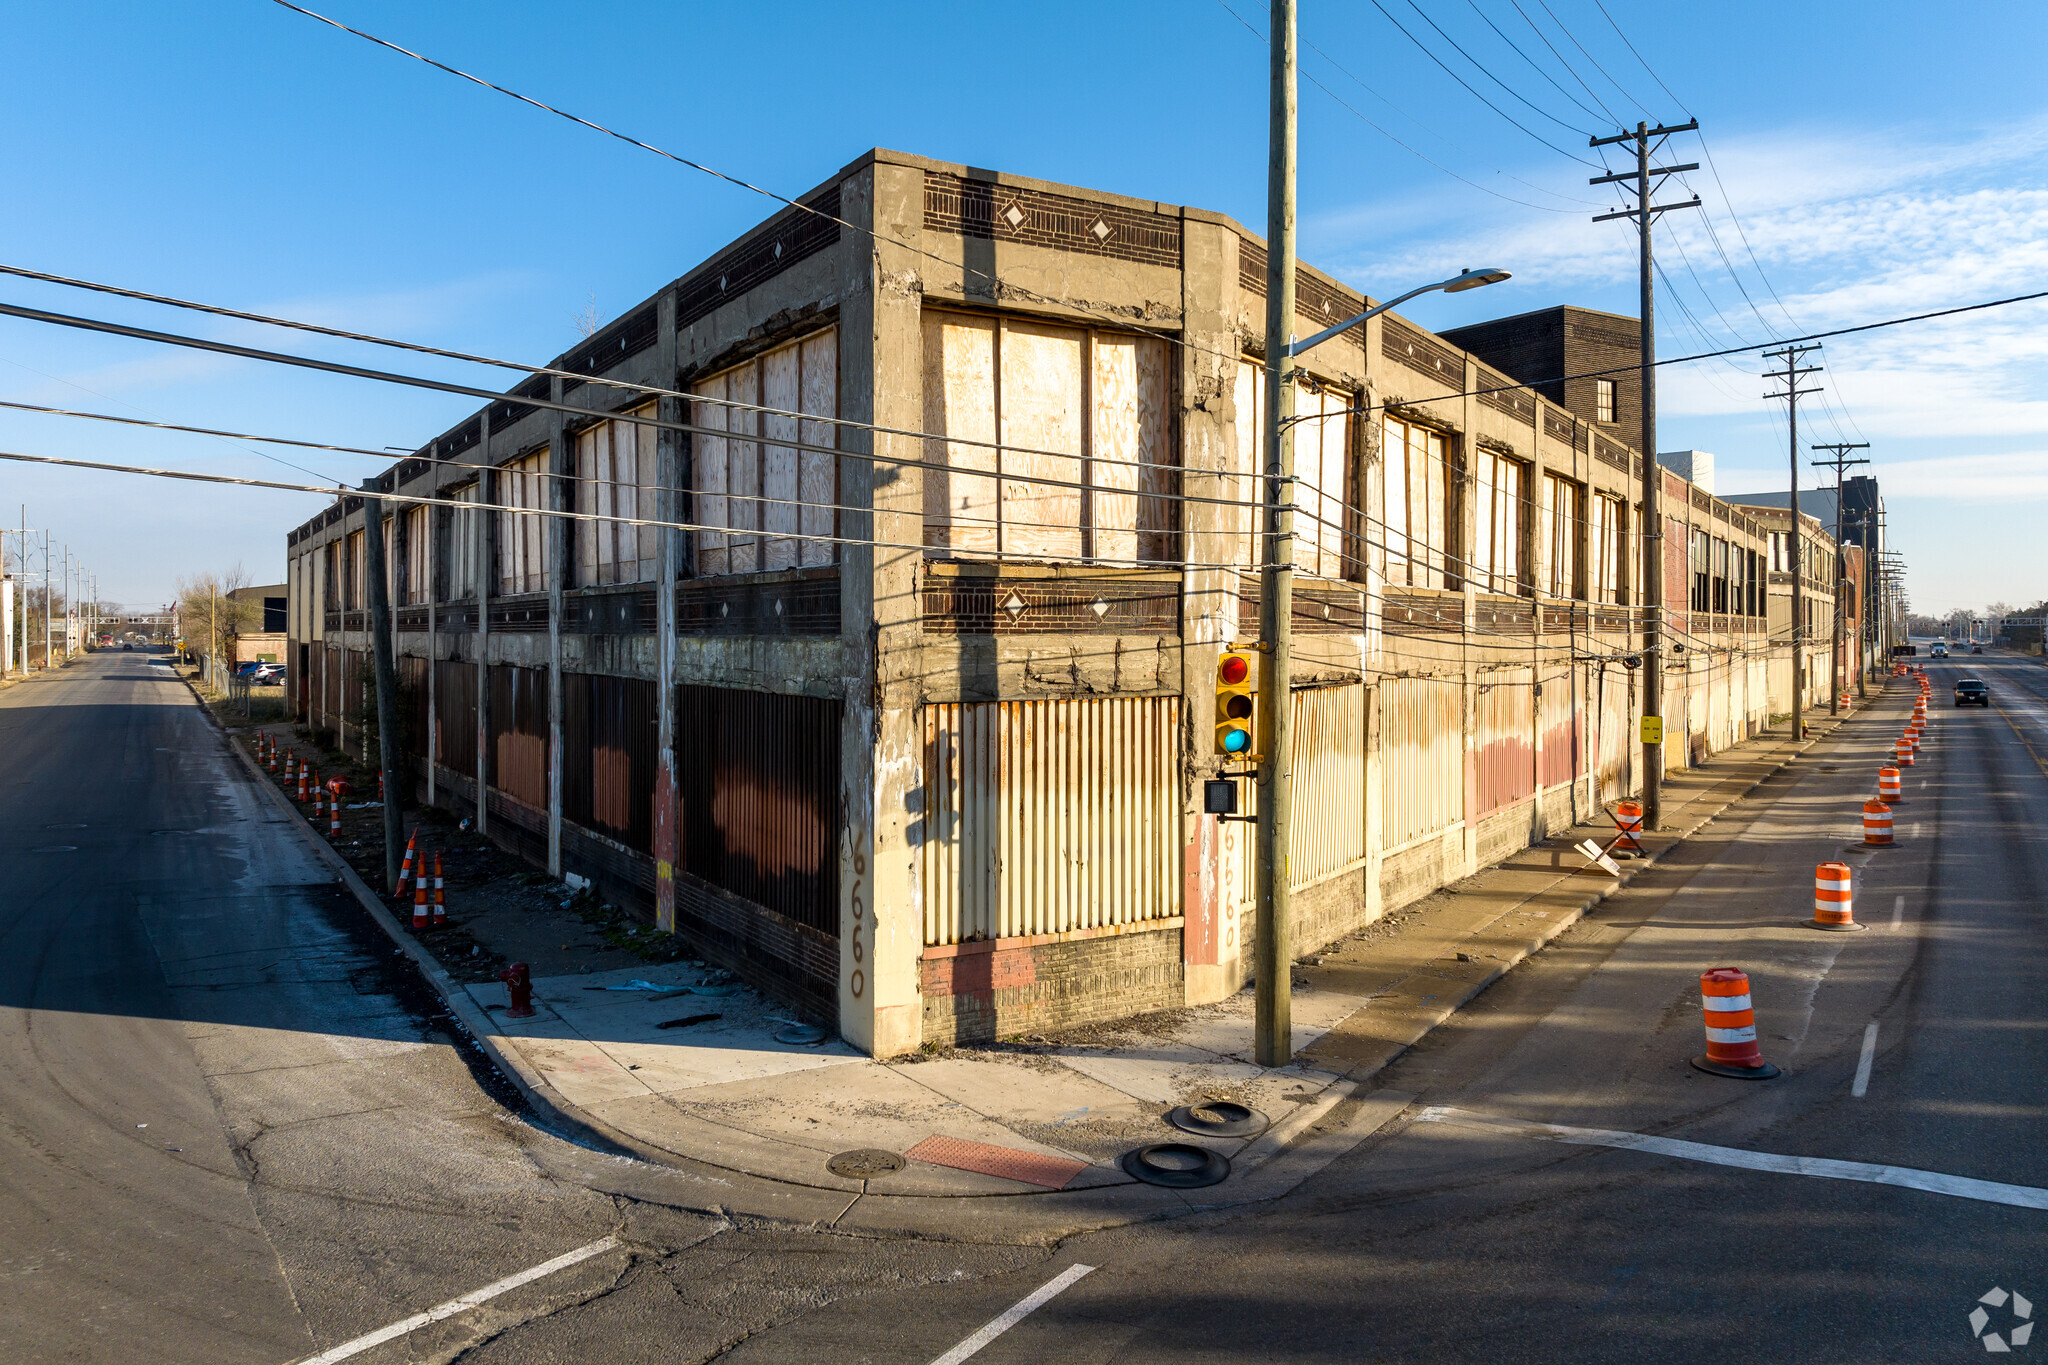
{"type": "Point", "coordinates": [909, 725]}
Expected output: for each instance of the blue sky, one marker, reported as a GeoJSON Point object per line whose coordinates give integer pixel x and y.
{"type": "Point", "coordinates": [1876, 163]}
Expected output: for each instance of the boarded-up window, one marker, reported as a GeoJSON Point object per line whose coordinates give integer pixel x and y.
{"type": "Point", "coordinates": [333, 576]}
{"type": "Point", "coordinates": [610, 735]}
{"type": "Point", "coordinates": [615, 477]}
{"type": "Point", "coordinates": [774, 503]}
{"type": "Point", "coordinates": [759, 797]}
{"type": "Point", "coordinates": [1419, 512]}
{"type": "Point", "coordinates": [459, 545]}
{"type": "Point", "coordinates": [519, 733]}
{"type": "Point", "coordinates": [419, 577]}
{"type": "Point", "coordinates": [1605, 549]}
{"type": "Point", "coordinates": [1326, 530]}
{"type": "Point", "coordinates": [353, 569]}
{"type": "Point", "coordinates": [522, 537]}
{"type": "Point", "coordinates": [1499, 500]}
{"type": "Point", "coordinates": [1050, 442]}
{"type": "Point", "coordinates": [1562, 500]}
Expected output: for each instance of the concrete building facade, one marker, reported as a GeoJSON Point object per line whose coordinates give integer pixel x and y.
{"type": "Point", "coordinates": [905, 711]}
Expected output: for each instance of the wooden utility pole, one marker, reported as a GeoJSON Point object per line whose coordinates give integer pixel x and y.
{"type": "Point", "coordinates": [1652, 530]}
{"type": "Point", "coordinates": [387, 683]}
{"type": "Point", "coordinates": [1792, 355]}
{"type": "Point", "coordinates": [1274, 949]}
{"type": "Point", "coordinates": [1838, 464]}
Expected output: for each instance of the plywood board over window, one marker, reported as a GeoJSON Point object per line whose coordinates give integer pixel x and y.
{"type": "Point", "coordinates": [766, 484]}
{"type": "Point", "coordinates": [1047, 442]}
{"type": "Point", "coordinates": [459, 546]}
{"type": "Point", "coordinates": [1562, 514]}
{"type": "Point", "coordinates": [1415, 464]}
{"type": "Point", "coordinates": [418, 564]}
{"type": "Point", "coordinates": [1327, 530]}
{"type": "Point", "coordinates": [615, 477]}
{"type": "Point", "coordinates": [522, 536]}
{"type": "Point", "coordinates": [1498, 518]}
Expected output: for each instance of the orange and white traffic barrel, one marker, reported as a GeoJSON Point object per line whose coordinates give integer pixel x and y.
{"type": "Point", "coordinates": [1833, 906]}
{"type": "Point", "coordinates": [1628, 818]}
{"type": "Point", "coordinates": [1731, 1027]}
{"type": "Point", "coordinates": [1890, 788]}
{"type": "Point", "coordinates": [1877, 824]}
{"type": "Point", "coordinates": [1902, 752]}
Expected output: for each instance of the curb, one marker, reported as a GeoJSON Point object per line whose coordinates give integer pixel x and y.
{"type": "Point", "coordinates": [1361, 1073]}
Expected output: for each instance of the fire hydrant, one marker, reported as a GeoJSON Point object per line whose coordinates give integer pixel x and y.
{"type": "Point", "coordinates": [518, 979]}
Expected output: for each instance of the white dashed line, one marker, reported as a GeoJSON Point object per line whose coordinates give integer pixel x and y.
{"type": "Point", "coordinates": [467, 1301]}
{"type": "Point", "coordinates": [1898, 910]}
{"type": "Point", "coordinates": [1014, 1314]}
{"type": "Point", "coordinates": [1862, 1081]}
{"type": "Point", "coordinates": [1906, 1177]}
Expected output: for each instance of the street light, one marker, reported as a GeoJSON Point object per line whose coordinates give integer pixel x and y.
{"type": "Point", "coordinates": [1457, 284]}
{"type": "Point", "coordinates": [1273, 949]}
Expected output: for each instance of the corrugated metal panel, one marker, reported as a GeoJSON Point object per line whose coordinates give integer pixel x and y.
{"type": "Point", "coordinates": [1504, 758]}
{"type": "Point", "coordinates": [519, 733]}
{"type": "Point", "coordinates": [759, 798]}
{"type": "Point", "coordinates": [455, 716]}
{"type": "Point", "coordinates": [1328, 832]}
{"type": "Point", "coordinates": [1422, 757]}
{"type": "Point", "coordinates": [1611, 687]}
{"type": "Point", "coordinates": [1558, 720]}
{"type": "Point", "coordinates": [1048, 816]}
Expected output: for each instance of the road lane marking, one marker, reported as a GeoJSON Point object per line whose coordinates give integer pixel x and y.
{"type": "Point", "coordinates": [1014, 1314]}
{"type": "Point", "coordinates": [1932, 1182]}
{"type": "Point", "coordinates": [1861, 1084]}
{"type": "Point", "coordinates": [467, 1301]}
{"type": "Point", "coordinates": [1898, 910]}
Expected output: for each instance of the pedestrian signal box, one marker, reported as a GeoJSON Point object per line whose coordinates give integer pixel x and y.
{"type": "Point", "coordinates": [1236, 679]}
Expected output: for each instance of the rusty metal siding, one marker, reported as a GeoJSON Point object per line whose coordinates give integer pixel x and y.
{"type": "Point", "coordinates": [1611, 692]}
{"type": "Point", "coordinates": [1329, 782]}
{"type": "Point", "coordinates": [519, 734]}
{"type": "Point", "coordinates": [759, 798]}
{"type": "Point", "coordinates": [412, 710]}
{"type": "Point", "coordinates": [352, 661]}
{"type": "Point", "coordinates": [455, 720]}
{"type": "Point", "coordinates": [1558, 722]}
{"type": "Point", "coordinates": [1048, 816]}
{"type": "Point", "coordinates": [1503, 754]}
{"type": "Point", "coordinates": [1422, 757]}
{"type": "Point", "coordinates": [610, 736]}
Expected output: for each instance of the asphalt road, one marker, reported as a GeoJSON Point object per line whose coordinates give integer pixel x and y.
{"type": "Point", "coordinates": [321, 1159]}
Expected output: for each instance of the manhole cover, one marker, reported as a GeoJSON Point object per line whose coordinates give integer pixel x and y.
{"type": "Point", "coordinates": [864, 1163]}
{"type": "Point", "coordinates": [796, 1034]}
{"type": "Point", "coordinates": [1177, 1165]}
{"type": "Point", "coordinates": [1218, 1118]}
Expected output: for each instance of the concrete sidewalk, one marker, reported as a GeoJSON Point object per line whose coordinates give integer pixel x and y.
{"type": "Point", "coordinates": [717, 1090]}
{"type": "Point", "coordinates": [1040, 1116]}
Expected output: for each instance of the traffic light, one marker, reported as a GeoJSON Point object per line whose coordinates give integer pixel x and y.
{"type": "Point", "coordinates": [1234, 684]}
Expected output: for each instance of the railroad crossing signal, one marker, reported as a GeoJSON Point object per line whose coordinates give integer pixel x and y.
{"type": "Point", "coordinates": [1235, 681]}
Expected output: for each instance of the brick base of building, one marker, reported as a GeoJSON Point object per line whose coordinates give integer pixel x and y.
{"type": "Point", "coordinates": [978, 992]}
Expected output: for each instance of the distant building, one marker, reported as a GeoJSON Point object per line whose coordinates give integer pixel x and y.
{"type": "Point", "coordinates": [262, 638]}
{"type": "Point", "coordinates": [1694, 466]}
{"type": "Point", "coordinates": [1541, 348]}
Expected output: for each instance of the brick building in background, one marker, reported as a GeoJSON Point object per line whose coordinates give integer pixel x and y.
{"type": "Point", "coordinates": [909, 725]}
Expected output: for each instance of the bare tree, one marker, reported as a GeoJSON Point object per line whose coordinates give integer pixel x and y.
{"type": "Point", "coordinates": [589, 318]}
{"type": "Point", "coordinates": [211, 615]}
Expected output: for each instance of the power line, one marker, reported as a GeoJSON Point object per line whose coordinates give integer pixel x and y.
{"type": "Point", "coordinates": [1456, 46]}
{"type": "Point", "coordinates": [1570, 70]}
{"type": "Point", "coordinates": [1468, 86]}
{"type": "Point", "coordinates": [1595, 113]}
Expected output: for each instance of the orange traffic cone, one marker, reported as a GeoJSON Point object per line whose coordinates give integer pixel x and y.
{"type": "Point", "coordinates": [1731, 1027]}
{"type": "Point", "coordinates": [405, 868]}
{"type": "Point", "coordinates": [420, 913]}
{"type": "Point", "coordinates": [440, 900]}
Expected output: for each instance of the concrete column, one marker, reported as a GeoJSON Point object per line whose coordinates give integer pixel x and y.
{"type": "Point", "coordinates": [1539, 561]}
{"type": "Point", "coordinates": [881, 762]}
{"type": "Point", "coordinates": [433, 520]}
{"type": "Point", "coordinates": [560, 541]}
{"type": "Point", "coordinates": [1211, 945]}
{"type": "Point", "coordinates": [670, 464]}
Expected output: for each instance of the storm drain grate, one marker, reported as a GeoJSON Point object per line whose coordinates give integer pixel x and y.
{"type": "Point", "coordinates": [1033, 1169]}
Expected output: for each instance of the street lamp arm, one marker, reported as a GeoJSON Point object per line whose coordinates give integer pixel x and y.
{"type": "Point", "coordinates": [1467, 279]}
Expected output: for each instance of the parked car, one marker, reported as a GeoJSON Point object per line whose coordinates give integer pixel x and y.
{"type": "Point", "coordinates": [1976, 649]}
{"type": "Point", "coordinates": [266, 674]}
{"type": "Point", "coordinates": [1972, 691]}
